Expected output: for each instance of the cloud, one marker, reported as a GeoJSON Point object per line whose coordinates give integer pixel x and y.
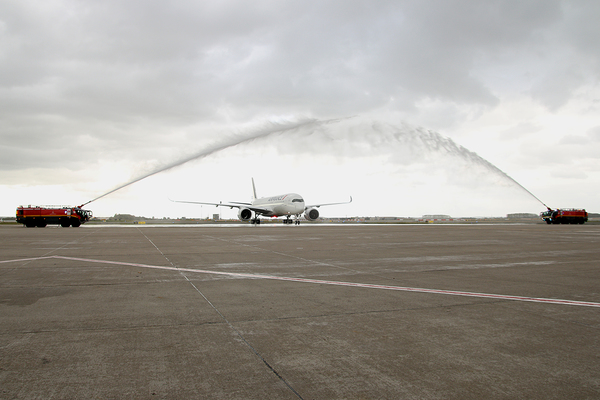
{"type": "Point", "coordinates": [88, 83]}
{"type": "Point", "coordinates": [184, 61]}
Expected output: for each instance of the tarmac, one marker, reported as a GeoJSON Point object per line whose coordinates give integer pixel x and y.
{"type": "Point", "coordinates": [300, 312]}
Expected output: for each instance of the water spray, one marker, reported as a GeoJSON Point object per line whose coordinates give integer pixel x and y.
{"type": "Point", "coordinates": [379, 136]}
{"type": "Point", "coordinates": [522, 187]}
{"type": "Point", "coordinates": [434, 140]}
{"type": "Point", "coordinates": [234, 141]}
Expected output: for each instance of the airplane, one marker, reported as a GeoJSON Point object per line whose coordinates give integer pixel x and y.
{"type": "Point", "coordinates": [288, 205]}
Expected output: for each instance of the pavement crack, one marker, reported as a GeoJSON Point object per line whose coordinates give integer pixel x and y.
{"type": "Point", "coordinates": [238, 333]}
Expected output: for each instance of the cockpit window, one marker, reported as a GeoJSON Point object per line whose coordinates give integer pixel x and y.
{"type": "Point", "coordinates": [297, 201]}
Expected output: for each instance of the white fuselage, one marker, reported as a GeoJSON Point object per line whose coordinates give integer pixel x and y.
{"type": "Point", "coordinates": [286, 204]}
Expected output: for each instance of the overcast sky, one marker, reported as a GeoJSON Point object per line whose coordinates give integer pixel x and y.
{"type": "Point", "coordinates": [398, 103]}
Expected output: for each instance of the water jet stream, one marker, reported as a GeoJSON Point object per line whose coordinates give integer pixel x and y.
{"type": "Point", "coordinates": [474, 157]}
{"type": "Point", "coordinates": [275, 128]}
{"type": "Point", "coordinates": [349, 137]}
{"type": "Point", "coordinates": [435, 142]}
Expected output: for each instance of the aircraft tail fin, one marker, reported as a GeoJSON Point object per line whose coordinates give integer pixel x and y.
{"type": "Point", "coordinates": [254, 197]}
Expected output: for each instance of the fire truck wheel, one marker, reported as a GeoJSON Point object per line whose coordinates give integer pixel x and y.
{"type": "Point", "coordinates": [75, 223]}
{"type": "Point", "coordinates": [41, 223]}
{"type": "Point", "coordinates": [65, 223]}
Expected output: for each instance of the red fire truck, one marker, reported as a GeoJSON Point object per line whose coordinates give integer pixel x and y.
{"type": "Point", "coordinates": [32, 216]}
{"type": "Point", "coordinates": [565, 216]}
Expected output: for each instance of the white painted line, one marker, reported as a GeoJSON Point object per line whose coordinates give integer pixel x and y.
{"type": "Point", "coordinates": [352, 284]}
{"type": "Point", "coordinates": [26, 259]}
{"type": "Point", "coordinates": [323, 282]}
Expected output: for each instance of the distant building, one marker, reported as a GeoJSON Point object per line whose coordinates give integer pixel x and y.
{"type": "Point", "coordinates": [437, 216]}
{"type": "Point", "coordinates": [521, 215]}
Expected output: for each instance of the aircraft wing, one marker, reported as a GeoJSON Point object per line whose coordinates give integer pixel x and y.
{"type": "Point", "coordinates": [328, 204]}
{"type": "Point", "coordinates": [230, 205]}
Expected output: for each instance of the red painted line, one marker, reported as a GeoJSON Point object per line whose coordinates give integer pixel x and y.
{"type": "Point", "coordinates": [336, 283]}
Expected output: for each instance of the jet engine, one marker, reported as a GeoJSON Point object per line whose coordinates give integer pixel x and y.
{"type": "Point", "coordinates": [311, 214]}
{"type": "Point", "coordinates": [244, 214]}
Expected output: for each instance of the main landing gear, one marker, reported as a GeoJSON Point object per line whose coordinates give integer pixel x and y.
{"type": "Point", "coordinates": [288, 220]}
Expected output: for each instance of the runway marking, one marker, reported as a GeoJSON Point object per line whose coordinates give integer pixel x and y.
{"type": "Point", "coordinates": [26, 259]}
{"type": "Point", "coordinates": [323, 282]}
